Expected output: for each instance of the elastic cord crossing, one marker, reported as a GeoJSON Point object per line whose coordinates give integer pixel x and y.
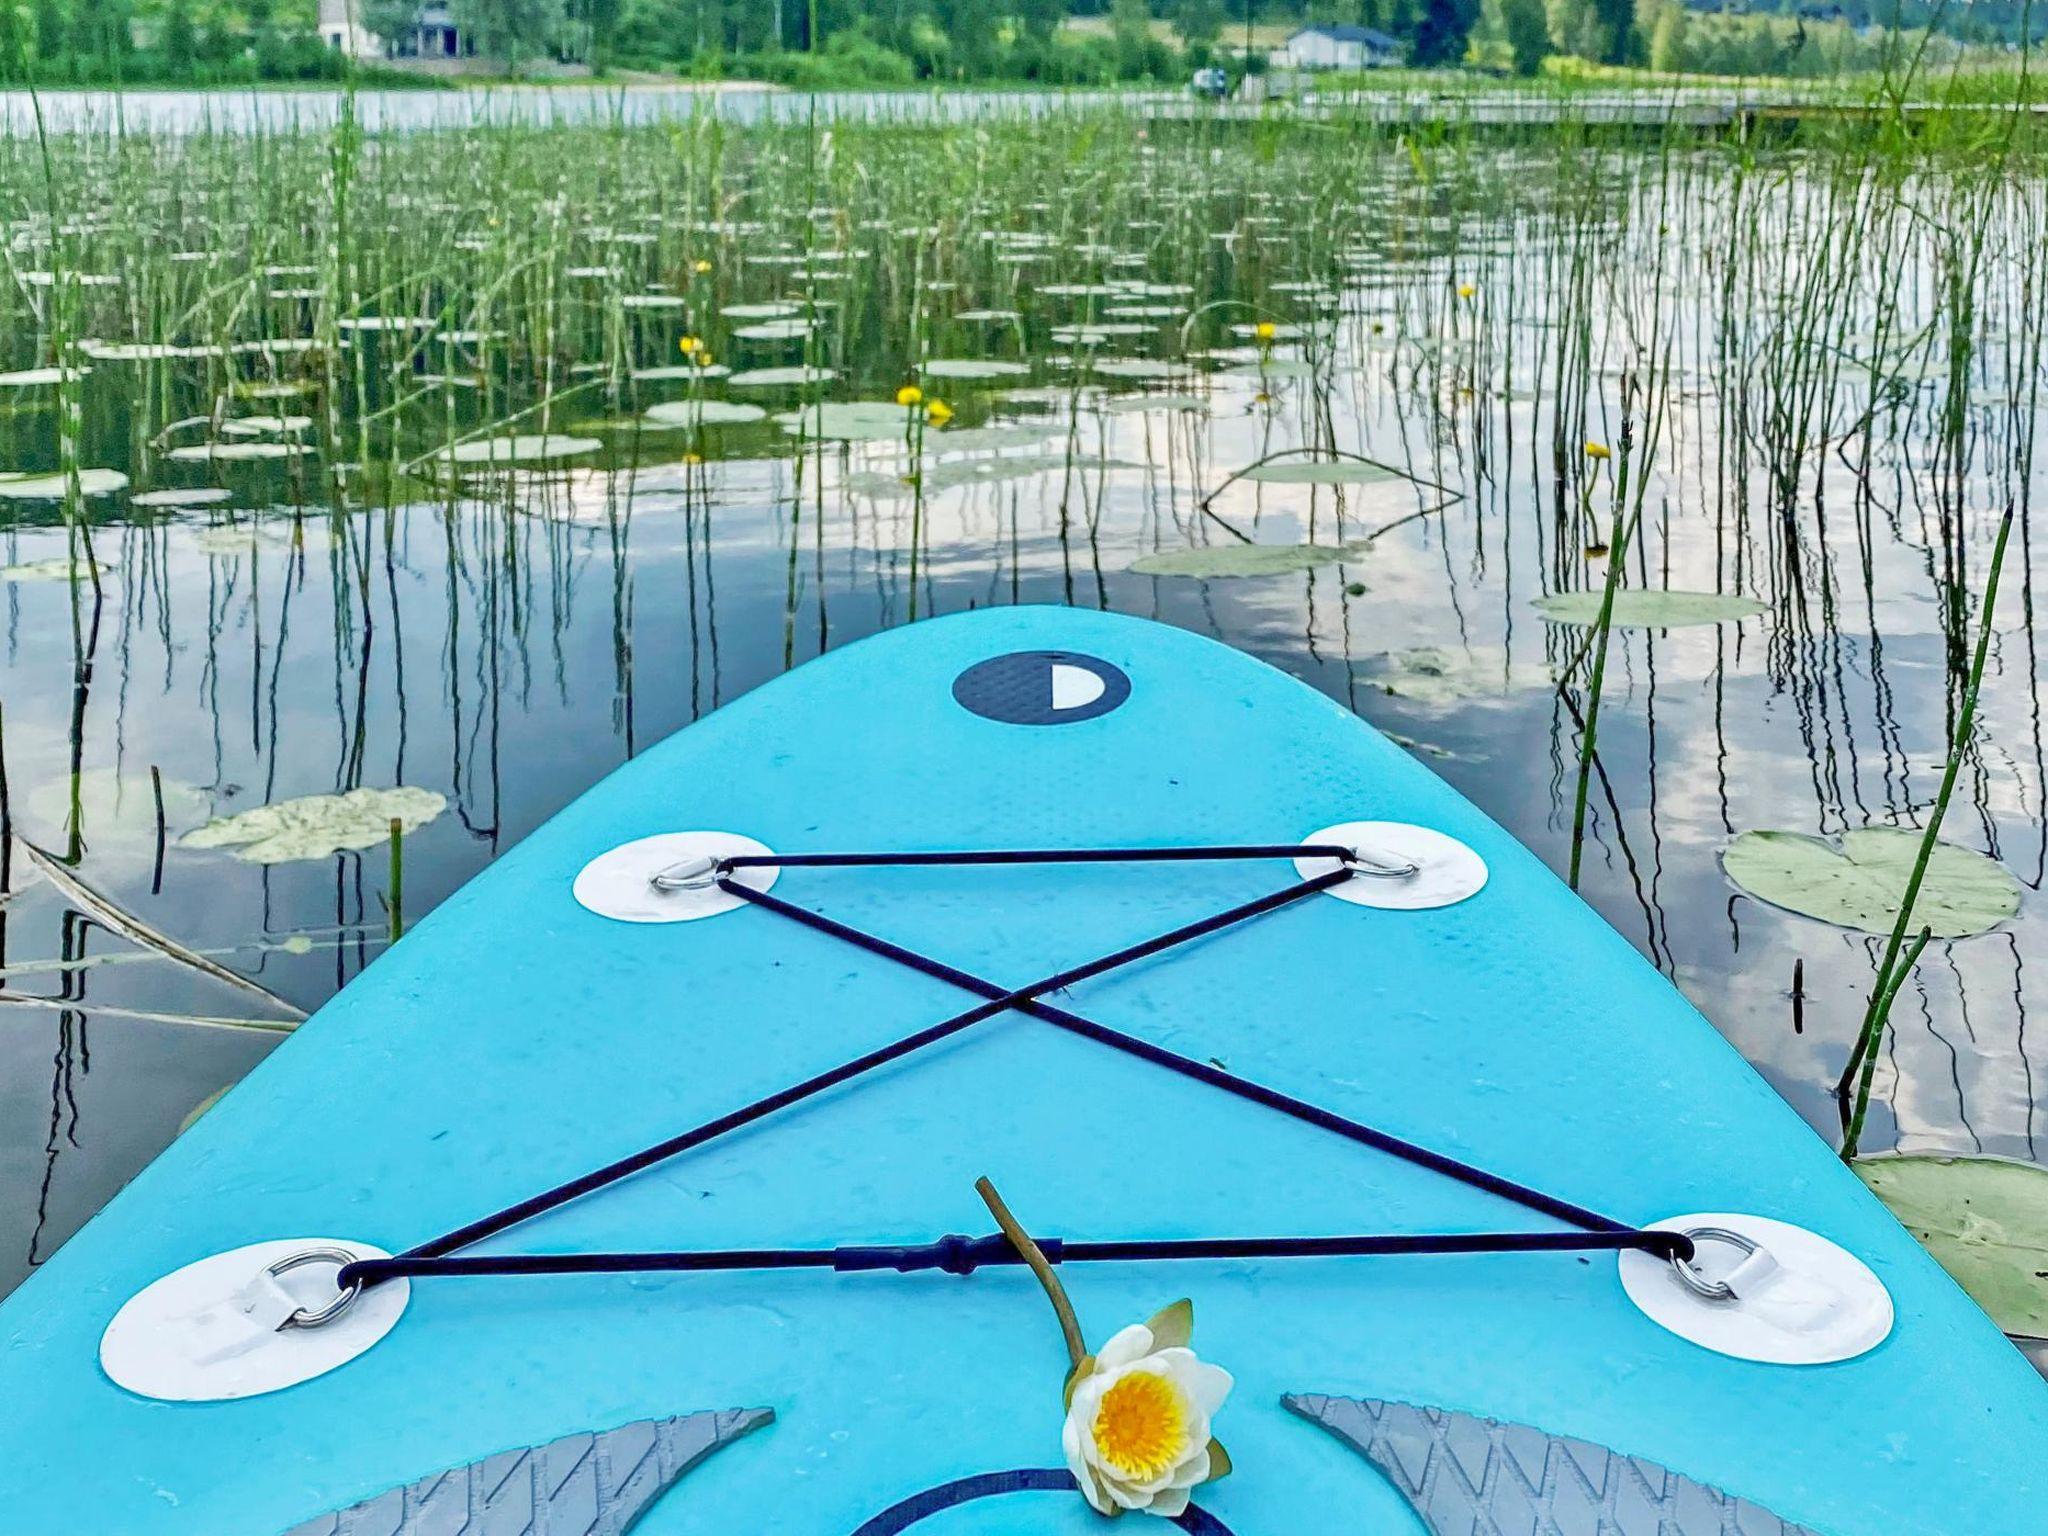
{"type": "Point", "coordinates": [950, 1253]}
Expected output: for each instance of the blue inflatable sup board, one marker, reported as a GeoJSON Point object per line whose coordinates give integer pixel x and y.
{"type": "Point", "coordinates": [637, 1187]}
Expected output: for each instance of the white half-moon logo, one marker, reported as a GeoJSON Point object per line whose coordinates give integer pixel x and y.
{"type": "Point", "coordinates": [1074, 687]}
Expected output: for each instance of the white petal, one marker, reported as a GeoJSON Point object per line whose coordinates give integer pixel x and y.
{"type": "Point", "coordinates": [1088, 1402]}
{"type": "Point", "coordinates": [1169, 1502]}
{"type": "Point", "coordinates": [1085, 1479]}
{"type": "Point", "coordinates": [1192, 1471]}
{"type": "Point", "coordinates": [1132, 1344]}
{"type": "Point", "coordinates": [1206, 1385]}
{"type": "Point", "coordinates": [1125, 1495]}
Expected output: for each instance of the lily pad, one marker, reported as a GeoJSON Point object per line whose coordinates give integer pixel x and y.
{"type": "Point", "coordinates": [315, 826]}
{"type": "Point", "coordinates": [702, 413]}
{"type": "Point", "coordinates": [31, 378]}
{"type": "Point", "coordinates": [971, 368]}
{"type": "Point", "coordinates": [243, 449]}
{"type": "Point", "coordinates": [91, 482]}
{"type": "Point", "coordinates": [522, 448]}
{"type": "Point", "coordinates": [1858, 885]}
{"type": "Point", "coordinates": [59, 569]}
{"type": "Point", "coordinates": [1649, 608]}
{"type": "Point", "coordinates": [782, 378]}
{"type": "Point", "coordinates": [1321, 472]}
{"type": "Point", "coordinates": [1124, 405]}
{"type": "Point", "coordinates": [182, 496]}
{"type": "Point", "coordinates": [1429, 675]}
{"type": "Point", "coordinates": [1223, 560]}
{"type": "Point", "coordinates": [847, 421]}
{"type": "Point", "coordinates": [1985, 1220]}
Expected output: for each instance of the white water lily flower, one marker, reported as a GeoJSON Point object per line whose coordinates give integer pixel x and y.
{"type": "Point", "coordinates": [1137, 1431]}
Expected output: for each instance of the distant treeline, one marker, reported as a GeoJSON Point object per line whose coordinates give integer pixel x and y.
{"type": "Point", "coordinates": [827, 43]}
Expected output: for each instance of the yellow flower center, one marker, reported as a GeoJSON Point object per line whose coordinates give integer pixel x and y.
{"type": "Point", "coordinates": [1141, 1427]}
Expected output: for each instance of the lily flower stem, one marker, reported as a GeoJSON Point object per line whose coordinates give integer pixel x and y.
{"type": "Point", "coordinates": [1035, 1259]}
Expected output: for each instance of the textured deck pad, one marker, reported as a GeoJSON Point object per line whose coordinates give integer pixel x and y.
{"type": "Point", "coordinates": [580, 1485]}
{"type": "Point", "coordinates": [1475, 1477]}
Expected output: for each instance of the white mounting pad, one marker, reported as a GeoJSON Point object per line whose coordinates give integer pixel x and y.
{"type": "Point", "coordinates": [1447, 870]}
{"type": "Point", "coordinates": [618, 884]}
{"type": "Point", "coordinates": [1803, 1301]}
{"type": "Point", "coordinates": [208, 1332]}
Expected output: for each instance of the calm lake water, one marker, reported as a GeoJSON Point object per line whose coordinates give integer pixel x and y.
{"type": "Point", "coordinates": [504, 640]}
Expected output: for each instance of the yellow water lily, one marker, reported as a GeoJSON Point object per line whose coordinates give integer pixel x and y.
{"type": "Point", "coordinates": [701, 268]}
{"type": "Point", "coordinates": [689, 346]}
{"type": "Point", "coordinates": [702, 358]}
{"type": "Point", "coordinates": [1138, 1411]}
{"type": "Point", "coordinates": [1466, 290]}
{"type": "Point", "coordinates": [1598, 451]}
{"type": "Point", "coordinates": [1267, 330]}
{"type": "Point", "coordinates": [938, 413]}
{"type": "Point", "coordinates": [909, 395]}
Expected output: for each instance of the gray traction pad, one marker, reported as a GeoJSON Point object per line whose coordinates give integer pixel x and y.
{"type": "Point", "coordinates": [1475, 1477]}
{"type": "Point", "coordinates": [580, 1485]}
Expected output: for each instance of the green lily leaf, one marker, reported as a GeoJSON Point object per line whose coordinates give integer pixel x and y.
{"type": "Point", "coordinates": [1223, 560]}
{"type": "Point", "coordinates": [1859, 884]}
{"type": "Point", "coordinates": [1321, 472]}
{"type": "Point", "coordinates": [1643, 608]}
{"type": "Point", "coordinates": [314, 826]}
{"type": "Point", "coordinates": [1985, 1219]}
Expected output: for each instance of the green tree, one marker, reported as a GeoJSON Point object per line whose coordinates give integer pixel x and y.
{"type": "Point", "coordinates": [1200, 22]}
{"type": "Point", "coordinates": [51, 42]}
{"type": "Point", "coordinates": [180, 40]}
{"type": "Point", "coordinates": [1668, 40]}
{"type": "Point", "coordinates": [512, 30]}
{"type": "Point", "coordinates": [1444, 30]}
{"type": "Point", "coordinates": [1525, 27]}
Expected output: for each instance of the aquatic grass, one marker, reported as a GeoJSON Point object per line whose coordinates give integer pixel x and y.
{"type": "Point", "coordinates": [1852, 1090]}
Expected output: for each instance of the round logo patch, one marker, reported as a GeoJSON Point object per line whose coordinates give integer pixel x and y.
{"type": "Point", "coordinates": [1041, 688]}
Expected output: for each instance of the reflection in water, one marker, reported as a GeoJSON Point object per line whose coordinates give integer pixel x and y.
{"type": "Point", "coordinates": [506, 638]}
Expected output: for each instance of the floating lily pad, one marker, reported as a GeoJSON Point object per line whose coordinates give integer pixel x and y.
{"type": "Point", "coordinates": [315, 826]}
{"type": "Point", "coordinates": [1429, 675]}
{"type": "Point", "coordinates": [182, 496]}
{"type": "Point", "coordinates": [59, 569]}
{"type": "Point", "coordinates": [782, 378]}
{"type": "Point", "coordinates": [987, 316]}
{"type": "Point", "coordinates": [971, 368]}
{"type": "Point", "coordinates": [1858, 885]}
{"type": "Point", "coordinates": [778, 310]}
{"type": "Point", "coordinates": [1015, 466]}
{"type": "Point", "coordinates": [1321, 472]}
{"type": "Point", "coordinates": [1985, 1220]}
{"type": "Point", "coordinates": [243, 449]}
{"type": "Point", "coordinates": [91, 482]}
{"type": "Point", "coordinates": [30, 378]}
{"type": "Point", "coordinates": [703, 413]}
{"type": "Point", "coordinates": [883, 487]}
{"type": "Point", "coordinates": [1272, 368]}
{"type": "Point", "coordinates": [1649, 608]}
{"type": "Point", "coordinates": [265, 426]}
{"type": "Point", "coordinates": [1135, 368]}
{"type": "Point", "coordinates": [984, 439]}
{"type": "Point", "coordinates": [1124, 405]}
{"type": "Point", "coordinates": [682, 371]}
{"type": "Point", "coordinates": [774, 330]}
{"type": "Point", "coordinates": [847, 421]}
{"type": "Point", "coordinates": [1223, 560]}
{"type": "Point", "coordinates": [522, 448]}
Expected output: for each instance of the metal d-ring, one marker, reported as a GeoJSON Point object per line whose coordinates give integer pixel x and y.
{"type": "Point", "coordinates": [1360, 863]}
{"type": "Point", "coordinates": [1688, 1272]}
{"type": "Point", "coordinates": [345, 1296]}
{"type": "Point", "coordinates": [698, 874]}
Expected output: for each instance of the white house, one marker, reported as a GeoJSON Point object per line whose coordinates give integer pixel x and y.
{"type": "Point", "coordinates": [342, 30]}
{"type": "Point", "coordinates": [433, 34]}
{"type": "Point", "coordinates": [1337, 47]}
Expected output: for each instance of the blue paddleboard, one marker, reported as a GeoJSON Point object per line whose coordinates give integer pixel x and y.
{"type": "Point", "coordinates": [520, 1036]}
